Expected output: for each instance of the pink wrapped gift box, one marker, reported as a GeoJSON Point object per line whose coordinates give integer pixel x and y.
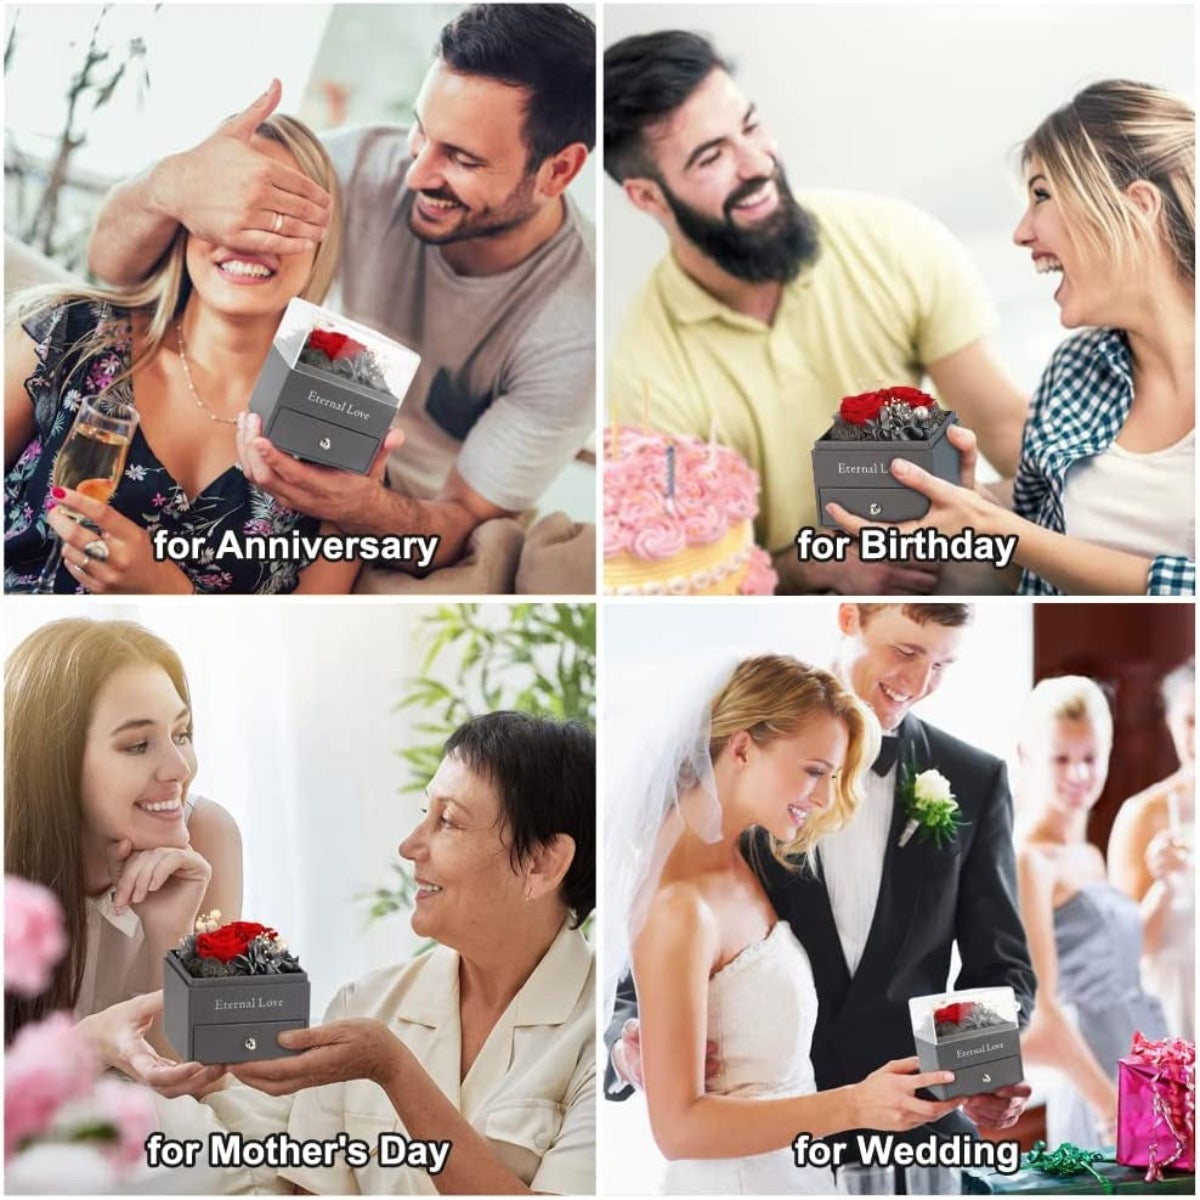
{"type": "Point", "coordinates": [1156, 1106]}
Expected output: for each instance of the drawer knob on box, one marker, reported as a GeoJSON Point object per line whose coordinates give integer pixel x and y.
{"type": "Point", "coordinates": [325, 443]}
{"type": "Point", "coordinates": [986, 1079]}
{"type": "Point", "coordinates": [251, 1043]}
{"type": "Point", "coordinates": [875, 508]}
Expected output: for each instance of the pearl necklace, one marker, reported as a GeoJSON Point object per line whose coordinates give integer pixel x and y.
{"type": "Point", "coordinates": [187, 374]}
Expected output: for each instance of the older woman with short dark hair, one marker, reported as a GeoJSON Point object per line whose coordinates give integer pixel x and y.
{"type": "Point", "coordinates": [484, 1045]}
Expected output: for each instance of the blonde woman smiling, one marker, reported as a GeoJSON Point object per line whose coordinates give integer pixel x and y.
{"type": "Point", "coordinates": [1104, 496]}
{"type": "Point", "coordinates": [184, 348]}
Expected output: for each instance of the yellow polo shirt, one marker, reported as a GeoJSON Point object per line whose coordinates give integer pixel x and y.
{"type": "Point", "coordinates": [891, 292]}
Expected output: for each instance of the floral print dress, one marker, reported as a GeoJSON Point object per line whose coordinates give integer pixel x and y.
{"type": "Point", "coordinates": [147, 494]}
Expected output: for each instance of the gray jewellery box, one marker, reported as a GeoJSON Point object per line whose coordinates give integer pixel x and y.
{"type": "Point", "coordinates": [981, 1062]}
{"type": "Point", "coordinates": [317, 415]}
{"type": "Point", "coordinates": [231, 1019]}
{"type": "Point", "coordinates": [856, 475]}
{"type": "Point", "coordinates": [982, 1058]}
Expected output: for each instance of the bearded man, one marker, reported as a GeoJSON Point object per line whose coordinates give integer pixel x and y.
{"type": "Point", "coordinates": [769, 306]}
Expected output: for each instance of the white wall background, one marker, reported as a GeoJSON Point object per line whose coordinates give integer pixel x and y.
{"type": "Point", "coordinates": [645, 643]}
{"type": "Point", "coordinates": [208, 61]}
{"type": "Point", "coordinates": [927, 102]}
{"type": "Point", "coordinates": [296, 736]}
{"type": "Point", "coordinates": [205, 61]}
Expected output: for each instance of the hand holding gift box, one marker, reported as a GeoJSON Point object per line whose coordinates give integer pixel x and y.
{"type": "Point", "coordinates": [852, 459]}
{"type": "Point", "coordinates": [973, 1033]}
{"type": "Point", "coordinates": [230, 990]}
{"type": "Point", "coordinates": [330, 387]}
{"type": "Point", "coordinates": [1156, 1106]}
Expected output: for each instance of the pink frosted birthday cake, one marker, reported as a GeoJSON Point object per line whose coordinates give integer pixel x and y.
{"type": "Point", "coordinates": [678, 518]}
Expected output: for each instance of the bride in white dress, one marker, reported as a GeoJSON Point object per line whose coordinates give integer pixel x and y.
{"type": "Point", "coordinates": [768, 742]}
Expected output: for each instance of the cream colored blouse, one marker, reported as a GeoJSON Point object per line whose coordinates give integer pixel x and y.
{"type": "Point", "coordinates": [531, 1091]}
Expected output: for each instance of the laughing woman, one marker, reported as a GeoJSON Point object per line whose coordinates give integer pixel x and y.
{"type": "Point", "coordinates": [184, 348]}
{"type": "Point", "coordinates": [1104, 496]}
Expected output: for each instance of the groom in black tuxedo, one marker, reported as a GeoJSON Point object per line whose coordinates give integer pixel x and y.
{"type": "Point", "coordinates": [878, 921]}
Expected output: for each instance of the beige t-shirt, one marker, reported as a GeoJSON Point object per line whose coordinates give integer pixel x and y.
{"type": "Point", "coordinates": [116, 965]}
{"type": "Point", "coordinates": [506, 388]}
{"type": "Point", "coordinates": [891, 292]}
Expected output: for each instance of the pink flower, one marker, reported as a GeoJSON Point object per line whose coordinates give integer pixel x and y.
{"type": "Point", "coordinates": [34, 938]}
{"type": "Point", "coordinates": [47, 1065]}
{"type": "Point", "coordinates": [129, 1109]}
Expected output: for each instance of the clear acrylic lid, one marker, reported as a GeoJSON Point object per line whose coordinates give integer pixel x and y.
{"type": "Point", "coordinates": [946, 1015]}
{"type": "Point", "coordinates": [322, 340]}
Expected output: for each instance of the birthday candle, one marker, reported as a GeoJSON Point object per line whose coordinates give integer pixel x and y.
{"type": "Point", "coordinates": [671, 477]}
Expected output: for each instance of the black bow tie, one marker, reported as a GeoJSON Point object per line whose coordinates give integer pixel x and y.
{"type": "Point", "coordinates": [889, 751]}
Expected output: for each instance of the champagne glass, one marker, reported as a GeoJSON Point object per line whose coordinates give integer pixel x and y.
{"type": "Point", "coordinates": [90, 462]}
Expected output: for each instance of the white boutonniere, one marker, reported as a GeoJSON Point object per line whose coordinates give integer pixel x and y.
{"type": "Point", "coordinates": [929, 805]}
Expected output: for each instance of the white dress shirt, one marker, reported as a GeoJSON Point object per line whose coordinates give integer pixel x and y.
{"type": "Point", "coordinates": [852, 864]}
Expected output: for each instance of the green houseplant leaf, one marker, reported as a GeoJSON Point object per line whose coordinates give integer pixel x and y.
{"type": "Point", "coordinates": [534, 658]}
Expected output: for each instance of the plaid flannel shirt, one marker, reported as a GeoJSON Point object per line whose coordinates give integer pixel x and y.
{"type": "Point", "coordinates": [1081, 404]}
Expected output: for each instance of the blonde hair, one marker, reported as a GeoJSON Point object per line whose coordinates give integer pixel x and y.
{"type": "Point", "coordinates": [1178, 685]}
{"type": "Point", "coordinates": [769, 697]}
{"type": "Point", "coordinates": [51, 682]}
{"type": "Point", "coordinates": [163, 294]}
{"type": "Point", "coordinates": [1109, 135]}
{"type": "Point", "coordinates": [1066, 698]}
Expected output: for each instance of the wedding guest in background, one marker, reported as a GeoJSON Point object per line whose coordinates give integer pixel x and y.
{"type": "Point", "coordinates": [461, 241]}
{"type": "Point", "coordinates": [98, 759]}
{"type": "Point", "coordinates": [1151, 857]}
{"type": "Point", "coordinates": [1084, 935]}
{"type": "Point", "coordinates": [184, 346]}
{"type": "Point", "coordinates": [1104, 497]}
{"type": "Point", "coordinates": [769, 305]}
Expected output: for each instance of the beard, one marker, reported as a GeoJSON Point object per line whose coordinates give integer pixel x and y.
{"type": "Point", "coordinates": [490, 221]}
{"type": "Point", "coordinates": [775, 250]}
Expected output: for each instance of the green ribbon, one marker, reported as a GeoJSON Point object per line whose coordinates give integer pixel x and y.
{"type": "Point", "coordinates": [1068, 1160]}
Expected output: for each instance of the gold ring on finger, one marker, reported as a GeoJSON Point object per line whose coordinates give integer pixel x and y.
{"type": "Point", "coordinates": [97, 549]}
{"type": "Point", "coordinates": [277, 223]}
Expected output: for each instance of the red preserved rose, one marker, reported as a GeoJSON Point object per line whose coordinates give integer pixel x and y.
{"type": "Point", "coordinates": [858, 410]}
{"type": "Point", "coordinates": [230, 940]}
{"type": "Point", "coordinates": [953, 1014]}
{"type": "Point", "coordinates": [334, 345]}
